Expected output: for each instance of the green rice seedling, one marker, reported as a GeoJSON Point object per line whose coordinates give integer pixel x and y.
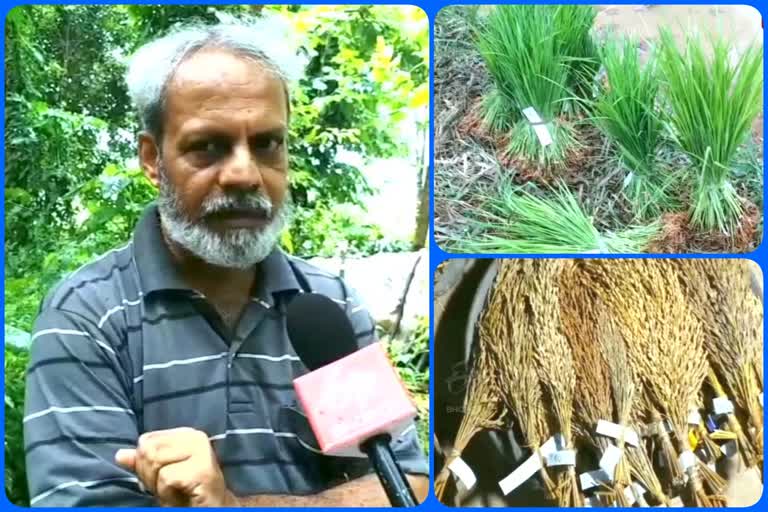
{"type": "Point", "coordinates": [574, 24]}
{"type": "Point", "coordinates": [625, 111]}
{"type": "Point", "coordinates": [518, 221]}
{"type": "Point", "coordinates": [712, 103]}
{"type": "Point", "coordinates": [528, 50]}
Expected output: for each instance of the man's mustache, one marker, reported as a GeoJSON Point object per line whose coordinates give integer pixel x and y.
{"type": "Point", "coordinates": [254, 203]}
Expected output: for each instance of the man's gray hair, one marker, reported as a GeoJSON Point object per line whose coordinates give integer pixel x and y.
{"type": "Point", "coordinates": [266, 40]}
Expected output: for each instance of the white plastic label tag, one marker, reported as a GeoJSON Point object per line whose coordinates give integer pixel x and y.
{"type": "Point", "coordinates": [610, 459]}
{"type": "Point", "coordinates": [463, 472]}
{"type": "Point", "coordinates": [687, 460]}
{"type": "Point", "coordinates": [606, 428]}
{"type": "Point", "coordinates": [730, 448]}
{"type": "Point", "coordinates": [594, 478]}
{"type": "Point", "coordinates": [542, 132]}
{"type": "Point", "coordinates": [722, 405]}
{"type": "Point", "coordinates": [539, 127]}
{"type": "Point", "coordinates": [694, 417]}
{"type": "Point", "coordinates": [532, 116]}
{"type": "Point", "coordinates": [629, 494]}
{"type": "Point", "coordinates": [562, 458]}
{"type": "Point", "coordinates": [592, 502]}
{"type": "Point", "coordinates": [522, 473]}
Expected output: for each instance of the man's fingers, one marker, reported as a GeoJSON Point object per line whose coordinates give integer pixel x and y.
{"type": "Point", "coordinates": [126, 457]}
{"type": "Point", "coordinates": [174, 484]}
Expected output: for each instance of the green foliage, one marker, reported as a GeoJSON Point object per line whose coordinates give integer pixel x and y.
{"type": "Point", "coordinates": [16, 361]}
{"type": "Point", "coordinates": [713, 102]}
{"type": "Point", "coordinates": [72, 185]}
{"type": "Point", "coordinates": [625, 110]}
{"type": "Point", "coordinates": [534, 55]}
{"type": "Point", "coordinates": [411, 359]}
{"type": "Point", "coordinates": [516, 220]}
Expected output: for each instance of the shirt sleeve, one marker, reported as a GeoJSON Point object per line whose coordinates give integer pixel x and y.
{"type": "Point", "coordinates": [407, 448]}
{"type": "Point", "coordinates": [78, 413]}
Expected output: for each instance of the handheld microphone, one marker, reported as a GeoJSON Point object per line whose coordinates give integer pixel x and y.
{"type": "Point", "coordinates": [354, 400]}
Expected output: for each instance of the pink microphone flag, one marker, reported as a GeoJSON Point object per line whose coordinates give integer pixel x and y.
{"type": "Point", "coordinates": [354, 399]}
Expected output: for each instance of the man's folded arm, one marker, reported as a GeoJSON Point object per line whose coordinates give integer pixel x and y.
{"type": "Point", "coordinates": [77, 415]}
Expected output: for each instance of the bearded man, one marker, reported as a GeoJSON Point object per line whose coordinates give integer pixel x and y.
{"type": "Point", "coordinates": [161, 373]}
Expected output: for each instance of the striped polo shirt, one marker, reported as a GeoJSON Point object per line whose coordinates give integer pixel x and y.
{"type": "Point", "coordinates": [124, 346]}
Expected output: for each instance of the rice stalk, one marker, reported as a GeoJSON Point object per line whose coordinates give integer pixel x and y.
{"type": "Point", "coordinates": [732, 318]}
{"type": "Point", "coordinates": [508, 323]}
{"type": "Point", "coordinates": [665, 349]}
{"type": "Point", "coordinates": [554, 362]}
{"type": "Point", "coordinates": [482, 407]}
{"type": "Point", "coordinates": [592, 398]}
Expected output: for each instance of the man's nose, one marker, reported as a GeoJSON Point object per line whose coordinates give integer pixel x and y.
{"type": "Point", "coordinates": [241, 169]}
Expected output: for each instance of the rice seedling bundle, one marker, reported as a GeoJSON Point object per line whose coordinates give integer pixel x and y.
{"type": "Point", "coordinates": [625, 111]}
{"type": "Point", "coordinates": [526, 51]}
{"type": "Point", "coordinates": [712, 104]}
{"type": "Point", "coordinates": [516, 220]}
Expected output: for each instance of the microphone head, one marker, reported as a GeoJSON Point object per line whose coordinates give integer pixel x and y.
{"type": "Point", "coordinates": [319, 330]}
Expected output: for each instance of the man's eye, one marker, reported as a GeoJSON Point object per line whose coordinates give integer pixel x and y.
{"type": "Point", "coordinates": [267, 144]}
{"type": "Point", "coordinates": [208, 146]}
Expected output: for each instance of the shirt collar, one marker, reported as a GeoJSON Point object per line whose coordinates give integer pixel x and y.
{"type": "Point", "coordinates": [157, 269]}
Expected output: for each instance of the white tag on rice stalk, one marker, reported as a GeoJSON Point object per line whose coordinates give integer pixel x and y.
{"type": "Point", "coordinates": [539, 126]}
{"type": "Point", "coordinates": [531, 465]}
{"type": "Point", "coordinates": [463, 472]}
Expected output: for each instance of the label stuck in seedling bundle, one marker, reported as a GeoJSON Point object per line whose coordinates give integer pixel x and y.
{"type": "Point", "coordinates": [539, 127]}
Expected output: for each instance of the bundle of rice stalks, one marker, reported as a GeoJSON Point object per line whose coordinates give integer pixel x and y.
{"type": "Point", "coordinates": [555, 364]}
{"type": "Point", "coordinates": [507, 321]}
{"type": "Point", "coordinates": [732, 318]}
{"type": "Point", "coordinates": [483, 408]}
{"type": "Point", "coordinates": [625, 111]}
{"type": "Point", "coordinates": [713, 103]}
{"type": "Point", "coordinates": [592, 398]}
{"type": "Point", "coordinates": [518, 221]}
{"type": "Point", "coordinates": [525, 49]}
{"type": "Point", "coordinates": [665, 348]}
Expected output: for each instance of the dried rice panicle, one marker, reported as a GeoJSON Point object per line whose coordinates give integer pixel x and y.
{"type": "Point", "coordinates": [579, 307]}
{"type": "Point", "coordinates": [554, 363]}
{"type": "Point", "coordinates": [483, 404]}
{"type": "Point", "coordinates": [508, 316]}
{"type": "Point", "coordinates": [665, 348]}
{"type": "Point", "coordinates": [732, 316]}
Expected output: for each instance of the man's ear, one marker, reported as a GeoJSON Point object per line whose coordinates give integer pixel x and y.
{"type": "Point", "coordinates": [149, 157]}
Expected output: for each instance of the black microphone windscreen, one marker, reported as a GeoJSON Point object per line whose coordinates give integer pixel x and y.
{"type": "Point", "coordinates": [319, 330]}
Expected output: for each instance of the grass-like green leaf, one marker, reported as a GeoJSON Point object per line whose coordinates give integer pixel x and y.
{"type": "Point", "coordinates": [713, 99]}
{"type": "Point", "coordinates": [626, 112]}
{"type": "Point", "coordinates": [521, 222]}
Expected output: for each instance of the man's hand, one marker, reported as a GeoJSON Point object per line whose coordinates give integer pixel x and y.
{"type": "Point", "coordinates": [179, 467]}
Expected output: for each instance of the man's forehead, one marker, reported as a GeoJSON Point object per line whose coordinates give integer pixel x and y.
{"type": "Point", "coordinates": [218, 65]}
{"type": "Point", "coordinates": [212, 80]}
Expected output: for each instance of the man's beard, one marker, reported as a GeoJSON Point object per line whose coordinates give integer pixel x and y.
{"type": "Point", "coordinates": [232, 248]}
